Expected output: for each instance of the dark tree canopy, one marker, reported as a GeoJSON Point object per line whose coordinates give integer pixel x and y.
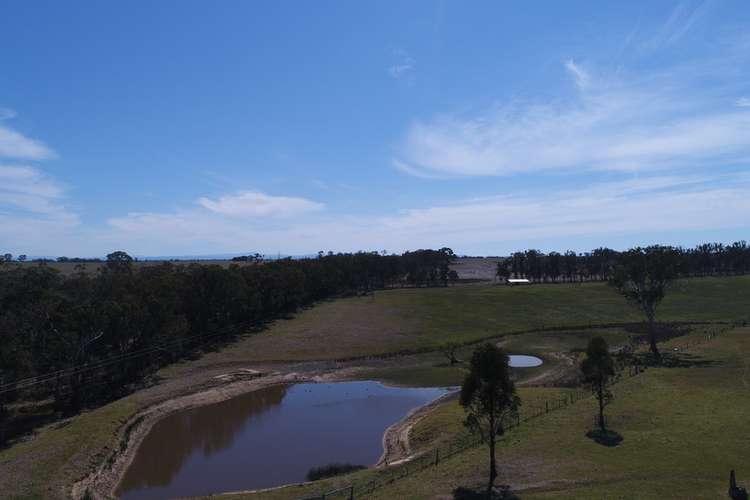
{"type": "Point", "coordinates": [598, 368]}
{"type": "Point", "coordinates": [94, 335]}
{"type": "Point", "coordinates": [708, 259]}
{"type": "Point", "coordinates": [489, 398]}
{"type": "Point", "coordinates": [119, 262]}
{"type": "Point", "coordinates": [428, 267]}
{"type": "Point", "coordinates": [642, 276]}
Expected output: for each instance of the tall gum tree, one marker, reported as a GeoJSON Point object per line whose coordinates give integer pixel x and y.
{"type": "Point", "coordinates": [642, 276]}
{"type": "Point", "coordinates": [489, 398]}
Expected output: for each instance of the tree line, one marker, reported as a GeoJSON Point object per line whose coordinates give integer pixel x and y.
{"type": "Point", "coordinates": [91, 336]}
{"type": "Point", "coordinates": [708, 259]}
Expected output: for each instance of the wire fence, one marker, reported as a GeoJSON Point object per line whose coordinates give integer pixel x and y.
{"type": "Point", "coordinates": [431, 458]}
{"type": "Point", "coordinates": [403, 469]}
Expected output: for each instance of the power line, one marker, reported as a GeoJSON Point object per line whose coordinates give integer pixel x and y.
{"type": "Point", "coordinates": [75, 370]}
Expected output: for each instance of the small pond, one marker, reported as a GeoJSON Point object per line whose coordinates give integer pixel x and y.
{"type": "Point", "coordinates": [523, 361]}
{"type": "Point", "coordinates": [267, 438]}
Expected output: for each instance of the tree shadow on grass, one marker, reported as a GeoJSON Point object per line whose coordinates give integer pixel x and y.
{"type": "Point", "coordinates": [446, 364]}
{"type": "Point", "coordinates": [501, 492]}
{"type": "Point", "coordinates": [685, 360]}
{"type": "Point", "coordinates": [607, 438]}
{"type": "Point", "coordinates": [672, 359]}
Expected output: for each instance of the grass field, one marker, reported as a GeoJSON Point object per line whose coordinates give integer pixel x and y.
{"type": "Point", "coordinates": [389, 321]}
{"type": "Point", "coordinates": [684, 428]}
{"type": "Point", "coordinates": [411, 318]}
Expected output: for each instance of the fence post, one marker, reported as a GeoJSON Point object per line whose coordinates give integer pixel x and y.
{"type": "Point", "coordinates": [351, 492]}
{"type": "Point", "coordinates": [546, 407]}
{"type": "Point", "coordinates": [437, 456]}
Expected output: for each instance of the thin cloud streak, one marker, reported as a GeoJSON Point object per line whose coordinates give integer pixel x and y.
{"type": "Point", "coordinates": [7, 114]}
{"type": "Point", "coordinates": [582, 77]}
{"type": "Point", "coordinates": [255, 204]}
{"type": "Point", "coordinates": [33, 212]}
{"type": "Point", "coordinates": [682, 18]}
{"type": "Point", "coordinates": [404, 68]}
{"type": "Point", "coordinates": [16, 145]}
{"type": "Point", "coordinates": [624, 124]}
{"type": "Point", "coordinates": [634, 206]}
{"type": "Point", "coordinates": [26, 189]}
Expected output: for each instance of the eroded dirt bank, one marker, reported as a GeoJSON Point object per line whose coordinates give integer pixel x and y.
{"type": "Point", "coordinates": [396, 445]}
{"type": "Point", "coordinates": [103, 482]}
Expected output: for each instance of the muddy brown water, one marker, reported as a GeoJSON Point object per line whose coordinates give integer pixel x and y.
{"type": "Point", "coordinates": [266, 438]}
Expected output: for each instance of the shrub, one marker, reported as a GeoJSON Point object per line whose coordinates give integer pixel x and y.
{"type": "Point", "coordinates": [330, 470]}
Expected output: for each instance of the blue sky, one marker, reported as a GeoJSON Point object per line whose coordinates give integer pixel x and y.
{"type": "Point", "coordinates": [184, 128]}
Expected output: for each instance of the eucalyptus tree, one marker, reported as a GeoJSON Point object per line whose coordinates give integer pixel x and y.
{"type": "Point", "coordinates": [598, 368]}
{"type": "Point", "coordinates": [489, 398]}
{"type": "Point", "coordinates": [642, 276]}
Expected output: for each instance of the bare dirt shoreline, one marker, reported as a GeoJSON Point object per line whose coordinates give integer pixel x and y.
{"type": "Point", "coordinates": [213, 386]}
{"type": "Point", "coordinates": [396, 445]}
{"type": "Point", "coordinates": [104, 481]}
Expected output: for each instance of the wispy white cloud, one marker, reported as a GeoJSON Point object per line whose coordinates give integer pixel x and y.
{"type": "Point", "coordinates": [582, 77]}
{"type": "Point", "coordinates": [743, 102]}
{"type": "Point", "coordinates": [34, 219]}
{"type": "Point", "coordinates": [255, 204]}
{"type": "Point", "coordinates": [650, 122]}
{"type": "Point", "coordinates": [27, 189]}
{"type": "Point", "coordinates": [34, 215]}
{"type": "Point", "coordinates": [320, 184]}
{"type": "Point", "coordinates": [416, 172]}
{"type": "Point", "coordinates": [627, 207]}
{"type": "Point", "coordinates": [404, 67]}
{"type": "Point", "coordinates": [331, 186]}
{"type": "Point", "coordinates": [634, 205]}
{"type": "Point", "coordinates": [13, 144]}
{"type": "Point", "coordinates": [7, 114]}
{"type": "Point", "coordinates": [682, 18]}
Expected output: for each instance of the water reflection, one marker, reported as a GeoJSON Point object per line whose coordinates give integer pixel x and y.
{"type": "Point", "coordinates": [266, 438]}
{"type": "Point", "coordinates": [172, 440]}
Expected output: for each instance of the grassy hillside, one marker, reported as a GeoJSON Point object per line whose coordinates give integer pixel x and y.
{"type": "Point", "coordinates": [684, 428]}
{"type": "Point", "coordinates": [412, 318]}
{"type": "Point", "coordinates": [416, 318]}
